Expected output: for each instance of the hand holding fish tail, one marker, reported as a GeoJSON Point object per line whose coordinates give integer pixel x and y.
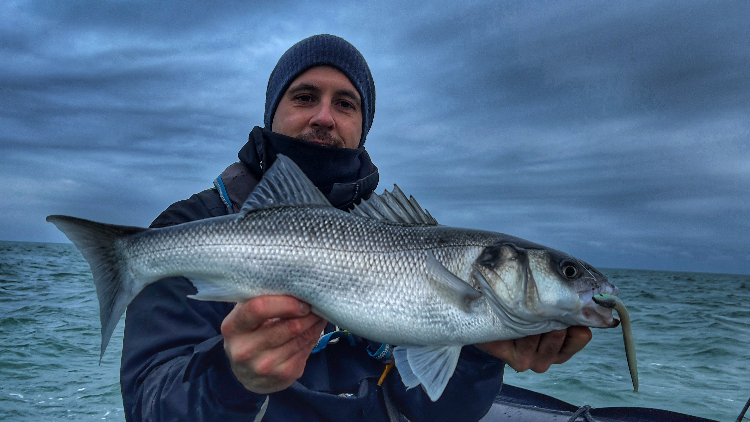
{"type": "Point", "coordinates": [539, 352]}
{"type": "Point", "coordinates": [268, 340]}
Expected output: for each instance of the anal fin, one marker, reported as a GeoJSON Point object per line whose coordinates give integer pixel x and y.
{"type": "Point", "coordinates": [430, 366]}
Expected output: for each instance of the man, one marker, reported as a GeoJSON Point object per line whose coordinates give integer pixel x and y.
{"type": "Point", "coordinates": [190, 360]}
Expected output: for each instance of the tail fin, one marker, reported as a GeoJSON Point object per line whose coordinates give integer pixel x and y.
{"type": "Point", "coordinates": [115, 285]}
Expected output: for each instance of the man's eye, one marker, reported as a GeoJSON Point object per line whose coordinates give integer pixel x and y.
{"type": "Point", "coordinates": [346, 104]}
{"type": "Point", "coordinates": [304, 98]}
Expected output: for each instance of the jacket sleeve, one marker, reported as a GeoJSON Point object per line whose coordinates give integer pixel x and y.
{"type": "Point", "coordinates": [467, 397]}
{"type": "Point", "coordinates": [173, 361]}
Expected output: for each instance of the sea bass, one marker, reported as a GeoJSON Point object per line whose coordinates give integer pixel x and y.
{"type": "Point", "coordinates": [429, 289]}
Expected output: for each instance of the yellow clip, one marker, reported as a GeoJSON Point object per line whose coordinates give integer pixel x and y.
{"type": "Point", "coordinates": [385, 372]}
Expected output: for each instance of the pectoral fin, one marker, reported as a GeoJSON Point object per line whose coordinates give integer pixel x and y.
{"type": "Point", "coordinates": [431, 366]}
{"type": "Point", "coordinates": [448, 284]}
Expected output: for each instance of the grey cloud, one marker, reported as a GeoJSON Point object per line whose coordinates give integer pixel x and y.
{"type": "Point", "coordinates": [617, 132]}
{"type": "Point", "coordinates": [557, 63]}
{"type": "Point", "coordinates": [161, 18]}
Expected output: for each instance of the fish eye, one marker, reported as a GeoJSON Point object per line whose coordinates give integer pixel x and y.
{"type": "Point", "coordinates": [569, 269]}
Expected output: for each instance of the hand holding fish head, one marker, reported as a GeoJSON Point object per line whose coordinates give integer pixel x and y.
{"type": "Point", "coordinates": [539, 352]}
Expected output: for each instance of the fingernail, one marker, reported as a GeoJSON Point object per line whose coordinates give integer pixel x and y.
{"type": "Point", "coordinates": [304, 307]}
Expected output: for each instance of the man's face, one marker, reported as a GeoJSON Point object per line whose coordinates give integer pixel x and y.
{"type": "Point", "coordinates": [321, 106]}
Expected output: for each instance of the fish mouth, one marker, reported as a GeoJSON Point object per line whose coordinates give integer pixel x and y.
{"type": "Point", "coordinates": [595, 315]}
{"type": "Point", "coordinates": [599, 317]}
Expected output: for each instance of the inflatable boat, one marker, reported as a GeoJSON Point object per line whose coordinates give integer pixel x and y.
{"type": "Point", "coordinates": [521, 405]}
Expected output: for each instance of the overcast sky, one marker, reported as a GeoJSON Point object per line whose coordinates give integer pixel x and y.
{"type": "Point", "coordinates": [618, 132]}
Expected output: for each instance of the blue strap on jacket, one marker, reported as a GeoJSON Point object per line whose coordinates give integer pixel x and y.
{"type": "Point", "coordinates": [333, 337]}
{"type": "Point", "coordinates": [219, 184]}
{"type": "Point", "coordinates": [383, 353]}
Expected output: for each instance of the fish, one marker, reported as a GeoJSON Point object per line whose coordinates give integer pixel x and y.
{"type": "Point", "coordinates": [386, 271]}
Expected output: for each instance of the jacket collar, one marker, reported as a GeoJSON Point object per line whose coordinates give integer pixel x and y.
{"type": "Point", "coordinates": [345, 176]}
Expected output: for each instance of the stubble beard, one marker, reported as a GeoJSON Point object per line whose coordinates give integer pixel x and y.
{"type": "Point", "coordinates": [322, 135]}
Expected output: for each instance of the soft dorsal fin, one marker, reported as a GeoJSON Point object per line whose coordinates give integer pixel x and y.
{"type": "Point", "coordinates": [284, 184]}
{"type": "Point", "coordinates": [394, 207]}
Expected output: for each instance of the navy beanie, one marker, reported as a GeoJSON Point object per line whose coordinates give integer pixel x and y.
{"type": "Point", "coordinates": [321, 50]}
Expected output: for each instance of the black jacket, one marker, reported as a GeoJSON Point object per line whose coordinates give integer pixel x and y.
{"type": "Point", "coordinates": [174, 367]}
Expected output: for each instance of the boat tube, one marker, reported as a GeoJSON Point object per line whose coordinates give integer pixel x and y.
{"type": "Point", "coordinates": [521, 405]}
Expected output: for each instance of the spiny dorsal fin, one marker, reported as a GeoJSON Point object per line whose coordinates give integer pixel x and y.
{"type": "Point", "coordinates": [394, 207]}
{"type": "Point", "coordinates": [284, 184]}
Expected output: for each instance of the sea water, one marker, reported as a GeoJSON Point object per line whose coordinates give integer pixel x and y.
{"type": "Point", "coordinates": [692, 334]}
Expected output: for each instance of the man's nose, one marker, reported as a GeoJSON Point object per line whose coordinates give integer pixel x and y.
{"type": "Point", "coordinates": [323, 116]}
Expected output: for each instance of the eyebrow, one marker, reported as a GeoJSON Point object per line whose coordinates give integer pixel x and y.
{"type": "Point", "coordinates": [314, 88]}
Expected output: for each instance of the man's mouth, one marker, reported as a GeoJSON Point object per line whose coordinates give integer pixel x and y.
{"type": "Point", "coordinates": [322, 137]}
{"type": "Point", "coordinates": [319, 141]}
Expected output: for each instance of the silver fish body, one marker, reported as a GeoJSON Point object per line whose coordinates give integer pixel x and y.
{"type": "Point", "coordinates": [367, 275]}
{"type": "Point", "coordinates": [386, 272]}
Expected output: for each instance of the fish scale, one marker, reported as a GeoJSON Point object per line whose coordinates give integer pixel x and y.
{"type": "Point", "coordinates": [379, 271]}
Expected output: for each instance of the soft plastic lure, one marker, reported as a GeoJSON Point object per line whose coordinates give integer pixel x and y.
{"type": "Point", "coordinates": [613, 302]}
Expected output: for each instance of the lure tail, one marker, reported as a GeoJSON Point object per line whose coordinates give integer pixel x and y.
{"type": "Point", "coordinates": [613, 302]}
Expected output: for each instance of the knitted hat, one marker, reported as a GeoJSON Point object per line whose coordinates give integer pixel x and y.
{"type": "Point", "coordinates": [321, 50]}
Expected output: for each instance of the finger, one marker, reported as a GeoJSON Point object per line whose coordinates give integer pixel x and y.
{"type": "Point", "coordinates": [576, 339]}
{"type": "Point", "coordinates": [501, 349]}
{"type": "Point", "coordinates": [298, 349]}
{"type": "Point", "coordinates": [548, 350]}
{"type": "Point", "coordinates": [519, 353]}
{"type": "Point", "coordinates": [525, 352]}
{"type": "Point", "coordinates": [287, 361]}
{"type": "Point", "coordinates": [550, 344]}
{"type": "Point", "coordinates": [278, 333]}
{"type": "Point", "coordinates": [252, 314]}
